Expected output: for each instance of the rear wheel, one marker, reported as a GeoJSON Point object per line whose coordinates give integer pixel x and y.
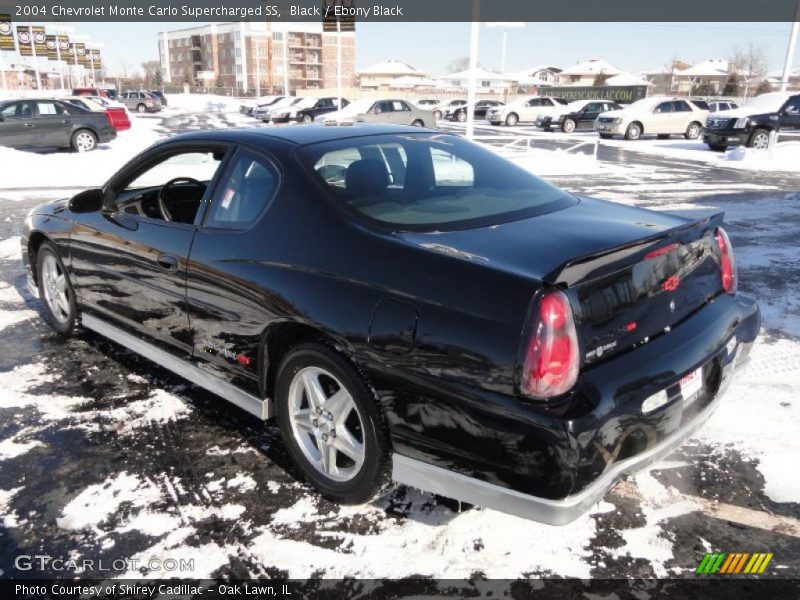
{"type": "Point", "coordinates": [693, 131]}
{"type": "Point", "coordinates": [569, 126]}
{"type": "Point", "coordinates": [461, 116]}
{"type": "Point", "coordinates": [437, 114]}
{"type": "Point", "coordinates": [83, 140]}
{"type": "Point", "coordinates": [331, 424]}
{"type": "Point", "coordinates": [141, 108]}
{"type": "Point", "coordinates": [307, 118]}
{"type": "Point", "coordinates": [759, 140]}
{"type": "Point", "coordinates": [417, 123]}
{"type": "Point", "coordinates": [634, 131]}
{"type": "Point", "coordinates": [512, 119]}
{"type": "Point", "coordinates": [58, 297]}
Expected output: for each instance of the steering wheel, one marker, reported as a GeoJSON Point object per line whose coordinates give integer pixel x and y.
{"type": "Point", "coordinates": [162, 206]}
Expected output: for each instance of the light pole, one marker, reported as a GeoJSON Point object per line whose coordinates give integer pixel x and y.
{"type": "Point", "coordinates": [787, 65]}
{"type": "Point", "coordinates": [473, 67]}
{"type": "Point", "coordinates": [505, 26]}
{"type": "Point", "coordinates": [61, 30]}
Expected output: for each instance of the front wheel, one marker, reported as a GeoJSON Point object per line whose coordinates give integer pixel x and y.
{"type": "Point", "coordinates": [141, 108]}
{"type": "Point", "coordinates": [512, 119]}
{"type": "Point", "coordinates": [634, 132]}
{"type": "Point", "coordinates": [461, 116]}
{"type": "Point", "coordinates": [693, 131]}
{"type": "Point", "coordinates": [60, 308]}
{"type": "Point", "coordinates": [83, 140]}
{"type": "Point", "coordinates": [759, 140]}
{"type": "Point", "coordinates": [307, 118]}
{"type": "Point", "coordinates": [569, 126]}
{"type": "Point", "coordinates": [332, 425]}
{"type": "Point", "coordinates": [417, 123]}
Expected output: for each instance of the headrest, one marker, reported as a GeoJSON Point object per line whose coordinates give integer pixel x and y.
{"type": "Point", "coordinates": [367, 176]}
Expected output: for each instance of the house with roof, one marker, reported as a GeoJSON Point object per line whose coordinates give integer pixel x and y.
{"type": "Point", "coordinates": [486, 81]}
{"type": "Point", "coordinates": [586, 72]}
{"type": "Point", "coordinates": [535, 77]}
{"type": "Point", "coordinates": [383, 74]}
{"type": "Point", "coordinates": [709, 75]}
{"type": "Point", "coordinates": [665, 80]}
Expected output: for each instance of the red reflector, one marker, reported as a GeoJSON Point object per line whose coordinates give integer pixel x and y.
{"type": "Point", "coordinates": [727, 265]}
{"type": "Point", "coordinates": [551, 360]}
{"type": "Point", "coordinates": [243, 360]}
{"type": "Point", "coordinates": [630, 327]}
{"type": "Point", "coordinates": [671, 283]}
{"type": "Point", "coordinates": [660, 252]}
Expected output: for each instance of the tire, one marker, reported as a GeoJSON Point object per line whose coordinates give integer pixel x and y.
{"type": "Point", "coordinates": [308, 118]}
{"type": "Point", "coordinates": [693, 131]}
{"type": "Point", "coordinates": [83, 140]}
{"type": "Point", "coordinates": [717, 147]}
{"type": "Point", "coordinates": [58, 298]}
{"type": "Point", "coordinates": [305, 429]}
{"type": "Point", "coordinates": [606, 136]}
{"type": "Point", "coordinates": [417, 123]}
{"type": "Point", "coordinates": [462, 116]}
{"type": "Point", "coordinates": [759, 140]}
{"type": "Point", "coordinates": [512, 119]}
{"type": "Point", "coordinates": [437, 114]}
{"type": "Point", "coordinates": [141, 108]}
{"type": "Point", "coordinates": [569, 125]}
{"type": "Point", "coordinates": [634, 131]}
{"type": "Point", "coordinates": [663, 136]}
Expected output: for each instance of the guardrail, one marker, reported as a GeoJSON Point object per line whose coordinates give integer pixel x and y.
{"type": "Point", "coordinates": [523, 143]}
{"type": "Point", "coordinates": [793, 138]}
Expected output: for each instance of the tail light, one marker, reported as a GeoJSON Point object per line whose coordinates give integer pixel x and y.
{"type": "Point", "coordinates": [727, 264]}
{"type": "Point", "coordinates": [551, 360]}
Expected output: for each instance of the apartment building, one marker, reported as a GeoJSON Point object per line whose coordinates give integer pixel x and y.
{"type": "Point", "coordinates": [249, 55]}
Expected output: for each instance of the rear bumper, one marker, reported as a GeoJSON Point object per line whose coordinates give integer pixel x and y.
{"type": "Point", "coordinates": [725, 137]}
{"type": "Point", "coordinates": [560, 472]}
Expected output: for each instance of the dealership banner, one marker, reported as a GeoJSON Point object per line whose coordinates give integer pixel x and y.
{"type": "Point", "coordinates": [94, 57]}
{"type": "Point", "coordinates": [82, 58]}
{"type": "Point", "coordinates": [39, 40]}
{"type": "Point", "coordinates": [620, 93]}
{"type": "Point", "coordinates": [24, 40]}
{"type": "Point", "coordinates": [6, 34]}
{"type": "Point", "coordinates": [63, 46]}
{"type": "Point", "coordinates": [365, 11]}
{"type": "Point", "coordinates": [52, 47]}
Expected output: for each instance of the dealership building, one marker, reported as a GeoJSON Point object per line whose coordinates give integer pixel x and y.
{"type": "Point", "coordinates": [269, 55]}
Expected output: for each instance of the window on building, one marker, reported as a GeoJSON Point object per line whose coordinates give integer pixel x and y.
{"type": "Point", "coordinates": [486, 83]}
{"type": "Point", "coordinates": [277, 36]}
{"type": "Point", "coordinates": [238, 52]}
{"type": "Point", "coordinates": [238, 69]}
{"type": "Point", "coordinates": [237, 35]}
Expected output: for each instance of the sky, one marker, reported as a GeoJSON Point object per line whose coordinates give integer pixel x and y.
{"type": "Point", "coordinates": [431, 47]}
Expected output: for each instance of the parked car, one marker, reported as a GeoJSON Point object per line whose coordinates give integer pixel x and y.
{"type": "Point", "coordinates": [396, 112]}
{"type": "Point", "coordinates": [161, 96]}
{"type": "Point", "coordinates": [752, 124]}
{"type": "Point", "coordinates": [481, 107]}
{"type": "Point", "coordinates": [525, 110]}
{"type": "Point", "coordinates": [48, 123]}
{"type": "Point", "coordinates": [577, 115]}
{"type": "Point", "coordinates": [427, 102]}
{"type": "Point", "coordinates": [283, 105]}
{"type": "Point", "coordinates": [660, 116]}
{"type": "Point", "coordinates": [140, 101]}
{"type": "Point", "coordinates": [721, 105]}
{"type": "Point", "coordinates": [90, 91]}
{"type": "Point", "coordinates": [699, 103]}
{"type": "Point", "coordinates": [441, 108]}
{"type": "Point", "coordinates": [117, 115]}
{"type": "Point", "coordinates": [308, 109]}
{"type": "Point", "coordinates": [111, 93]}
{"type": "Point", "coordinates": [456, 323]}
{"type": "Point", "coordinates": [262, 110]}
{"type": "Point", "coordinates": [250, 107]}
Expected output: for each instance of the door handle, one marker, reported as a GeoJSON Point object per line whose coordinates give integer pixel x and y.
{"type": "Point", "coordinates": [167, 262]}
{"type": "Point", "coordinates": [28, 124]}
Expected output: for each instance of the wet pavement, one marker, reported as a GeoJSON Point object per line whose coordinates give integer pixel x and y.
{"type": "Point", "coordinates": [106, 456]}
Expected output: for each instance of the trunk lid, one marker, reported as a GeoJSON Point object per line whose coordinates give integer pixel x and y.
{"type": "Point", "coordinates": [630, 273]}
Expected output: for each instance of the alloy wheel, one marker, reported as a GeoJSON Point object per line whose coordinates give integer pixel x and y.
{"type": "Point", "coordinates": [55, 289]}
{"type": "Point", "coordinates": [761, 141]}
{"type": "Point", "coordinates": [326, 424]}
{"type": "Point", "coordinates": [84, 141]}
{"type": "Point", "coordinates": [569, 126]}
{"type": "Point", "coordinates": [693, 132]}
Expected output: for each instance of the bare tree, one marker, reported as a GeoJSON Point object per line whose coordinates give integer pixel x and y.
{"type": "Point", "coordinates": [152, 73]}
{"type": "Point", "coordinates": [750, 64]}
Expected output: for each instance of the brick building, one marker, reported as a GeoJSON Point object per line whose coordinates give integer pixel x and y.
{"type": "Point", "coordinates": [246, 55]}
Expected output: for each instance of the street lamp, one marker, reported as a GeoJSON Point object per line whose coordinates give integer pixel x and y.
{"type": "Point", "coordinates": [505, 26]}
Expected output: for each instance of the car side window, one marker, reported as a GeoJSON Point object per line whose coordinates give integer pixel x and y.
{"type": "Point", "coordinates": [451, 171]}
{"type": "Point", "coordinates": [18, 110]}
{"type": "Point", "coordinates": [681, 106]}
{"type": "Point", "coordinates": [592, 107]}
{"type": "Point", "coordinates": [49, 109]}
{"type": "Point", "coordinates": [534, 102]}
{"type": "Point", "coordinates": [384, 107]}
{"type": "Point", "coordinates": [244, 192]}
{"type": "Point", "coordinates": [200, 166]}
{"type": "Point", "coordinates": [664, 107]}
{"type": "Point", "coordinates": [547, 102]}
{"type": "Point", "coordinates": [398, 106]}
{"type": "Point", "coordinates": [793, 106]}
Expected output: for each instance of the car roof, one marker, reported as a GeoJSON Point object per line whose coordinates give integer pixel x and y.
{"type": "Point", "coordinates": [301, 134]}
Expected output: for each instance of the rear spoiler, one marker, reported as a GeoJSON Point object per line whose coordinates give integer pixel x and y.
{"type": "Point", "coordinates": [608, 261]}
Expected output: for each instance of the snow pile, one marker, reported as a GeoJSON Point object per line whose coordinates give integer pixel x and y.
{"type": "Point", "coordinates": [784, 157]}
{"type": "Point", "coordinates": [203, 103]}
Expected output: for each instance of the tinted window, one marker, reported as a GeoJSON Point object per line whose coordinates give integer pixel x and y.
{"type": "Point", "coordinates": [243, 193]}
{"type": "Point", "coordinates": [547, 102]}
{"type": "Point", "coordinates": [384, 107]}
{"type": "Point", "coordinates": [681, 106]}
{"type": "Point", "coordinates": [793, 106]}
{"type": "Point", "coordinates": [593, 107]}
{"type": "Point", "coordinates": [399, 106]}
{"type": "Point", "coordinates": [49, 108]}
{"type": "Point", "coordinates": [428, 182]}
{"type": "Point", "coordinates": [19, 110]}
{"type": "Point", "coordinates": [664, 107]}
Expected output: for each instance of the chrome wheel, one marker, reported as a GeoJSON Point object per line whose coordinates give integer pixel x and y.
{"type": "Point", "coordinates": [512, 120]}
{"type": "Point", "coordinates": [760, 141]}
{"type": "Point", "coordinates": [633, 132]}
{"type": "Point", "coordinates": [326, 424]}
{"type": "Point", "coordinates": [84, 141]}
{"type": "Point", "coordinates": [569, 126]}
{"type": "Point", "coordinates": [693, 132]}
{"type": "Point", "coordinates": [55, 290]}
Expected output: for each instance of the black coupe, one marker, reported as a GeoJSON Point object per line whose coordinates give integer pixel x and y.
{"type": "Point", "coordinates": [408, 305]}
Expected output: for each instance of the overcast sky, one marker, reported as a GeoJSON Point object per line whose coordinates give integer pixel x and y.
{"type": "Point", "coordinates": [431, 46]}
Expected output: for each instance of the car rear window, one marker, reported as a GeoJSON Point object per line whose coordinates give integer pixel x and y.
{"type": "Point", "coordinates": [425, 182]}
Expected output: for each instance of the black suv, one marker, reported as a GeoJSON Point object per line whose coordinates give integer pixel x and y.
{"type": "Point", "coordinates": [751, 124]}
{"type": "Point", "coordinates": [308, 109]}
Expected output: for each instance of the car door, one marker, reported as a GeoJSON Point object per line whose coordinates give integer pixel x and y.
{"type": "Point", "coordinates": [129, 261]}
{"type": "Point", "coordinates": [382, 112]}
{"type": "Point", "coordinates": [660, 119]}
{"type": "Point", "coordinates": [224, 293]}
{"type": "Point", "coordinates": [589, 113]}
{"type": "Point", "coordinates": [401, 113]}
{"type": "Point", "coordinates": [529, 111]}
{"type": "Point", "coordinates": [789, 119]}
{"type": "Point", "coordinates": [53, 124]}
{"type": "Point", "coordinates": [17, 125]}
{"type": "Point", "coordinates": [682, 116]}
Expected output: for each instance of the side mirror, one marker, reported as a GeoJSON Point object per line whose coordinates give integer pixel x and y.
{"type": "Point", "coordinates": [87, 201]}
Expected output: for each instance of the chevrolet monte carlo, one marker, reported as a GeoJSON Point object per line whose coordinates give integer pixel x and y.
{"type": "Point", "coordinates": [408, 305]}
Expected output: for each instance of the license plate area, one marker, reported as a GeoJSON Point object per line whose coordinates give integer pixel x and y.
{"type": "Point", "coordinates": [691, 387]}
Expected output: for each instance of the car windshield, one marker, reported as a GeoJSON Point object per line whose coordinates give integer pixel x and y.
{"type": "Point", "coordinates": [423, 182]}
{"type": "Point", "coordinates": [767, 102]}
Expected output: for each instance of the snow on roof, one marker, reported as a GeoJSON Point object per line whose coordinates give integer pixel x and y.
{"type": "Point", "coordinates": [627, 79]}
{"type": "Point", "coordinates": [592, 67]}
{"type": "Point", "coordinates": [533, 70]}
{"type": "Point", "coordinates": [409, 81]}
{"type": "Point", "coordinates": [713, 67]}
{"type": "Point", "coordinates": [480, 73]}
{"type": "Point", "coordinates": [393, 67]}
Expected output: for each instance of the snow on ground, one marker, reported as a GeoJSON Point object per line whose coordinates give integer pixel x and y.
{"type": "Point", "coordinates": [201, 103]}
